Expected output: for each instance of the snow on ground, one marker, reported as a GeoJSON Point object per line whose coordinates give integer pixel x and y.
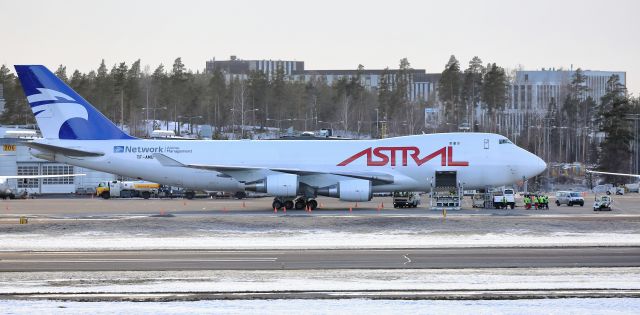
{"type": "Point", "coordinates": [320, 280]}
{"type": "Point", "coordinates": [309, 239]}
{"type": "Point", "coordinates": [349, 306]}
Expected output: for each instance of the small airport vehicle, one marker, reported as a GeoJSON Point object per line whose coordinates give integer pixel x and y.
{"type": "Point", "coordinates": [602, 203]}
{"type": "Point", "coordinates": [406, 199]}
{"type": "Point", "coordinates": [505, 198]}
{"type": "Point", "coordinates": [615, 191]}
{"type": "Point", "coordinates": [635, 187]}
{"type": "Point", "coordinates": [569, 198]}
{"type": "Point", "coordinates": [127, 189]}
{"type": "Point", "coordinates": [478, 200]}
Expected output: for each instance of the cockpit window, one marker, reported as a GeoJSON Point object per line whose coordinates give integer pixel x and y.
{"type": "Point", "coordinates": [502, 141]}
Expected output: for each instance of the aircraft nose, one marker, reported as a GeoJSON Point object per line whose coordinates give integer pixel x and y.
{"type": "Point", "coordinates": [538, 166]}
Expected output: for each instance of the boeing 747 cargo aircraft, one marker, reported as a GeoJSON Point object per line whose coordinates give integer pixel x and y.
{"type": "Point", "coordinates": [293, 172]}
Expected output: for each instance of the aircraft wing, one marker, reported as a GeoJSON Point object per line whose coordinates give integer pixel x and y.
{"type": "Point", "coordinates": [377, 177]}
{"type": "Point", "coordinates": [62, 150]}
{"type": "Point", "coordinates": [615, 174]}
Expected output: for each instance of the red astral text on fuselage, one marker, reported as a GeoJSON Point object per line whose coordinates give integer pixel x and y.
{"type": "Point", "coordinates": [381, 156]}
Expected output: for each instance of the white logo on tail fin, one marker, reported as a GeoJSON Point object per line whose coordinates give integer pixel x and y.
{"type": "Point", "coordinates": [48, 95]}
{"type": "Point", "coordinates": [51, 116]}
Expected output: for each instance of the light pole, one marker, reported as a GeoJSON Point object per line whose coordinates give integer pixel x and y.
{"type": "Point", "coordinates": [305, 121]}
{"type": "Point", "coordinates": [154, 115]}
{"type": "Point", "coordinates": [242, 112]}
{"type": "Point", "coordinates": [278, 122]}
{"type": "Point", "coordinates": [330, 123]}
{"type": "Point", "coordinates": [190, 124]}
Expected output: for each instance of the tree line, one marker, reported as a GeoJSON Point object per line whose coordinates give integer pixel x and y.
{"type": "Point", "coordinates": [576, 128]}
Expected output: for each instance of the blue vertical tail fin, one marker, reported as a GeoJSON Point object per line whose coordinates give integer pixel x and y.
{"type": "Point", "coordinates": [60, 112]}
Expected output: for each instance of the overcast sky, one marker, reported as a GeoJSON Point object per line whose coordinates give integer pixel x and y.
{"type": "Point", "coordinates": [327, 34]}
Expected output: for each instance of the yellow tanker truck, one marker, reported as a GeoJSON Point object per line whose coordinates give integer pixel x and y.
{"type": "Point", "coordinates": [127, 189]}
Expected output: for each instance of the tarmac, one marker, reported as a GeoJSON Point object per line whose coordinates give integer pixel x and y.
{"type": "Point", "coordinates": [249, 221]}
{"type": "Point", "coordinates": [540, 257]}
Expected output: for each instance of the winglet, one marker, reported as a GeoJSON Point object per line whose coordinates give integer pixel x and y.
{"type": "Point", "coordinates": [167, 161]}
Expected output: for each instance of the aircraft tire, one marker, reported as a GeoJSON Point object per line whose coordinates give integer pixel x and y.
{"type": "Point", "coordinates": [288, 204]}
{"type": "Point", "coordinates": [312, 204]}
{"type": "Point", "coordinates": [276, 204]}
{"type": "Point", "coordinates": [300, 204]}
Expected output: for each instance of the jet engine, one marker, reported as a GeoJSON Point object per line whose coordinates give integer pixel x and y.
{"type": "Point", "coordinates": [280, 185]}
{"type": "Point", "coordinates": [349, 190]}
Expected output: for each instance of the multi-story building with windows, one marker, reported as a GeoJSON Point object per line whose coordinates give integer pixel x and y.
{"type": "Point", "coordinates": [421, 87]}
{"type": "Point", "coordinates": [536, 90]}
{"type": "Point", "coordinates": [240, 68]}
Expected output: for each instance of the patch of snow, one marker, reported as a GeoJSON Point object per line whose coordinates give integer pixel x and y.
{"type": "Point", "coordinates": [346, 306]}
{"type": "Point", "coordinates": [308, 239]}
{"type": "Point", "coordinates": [322, 280]}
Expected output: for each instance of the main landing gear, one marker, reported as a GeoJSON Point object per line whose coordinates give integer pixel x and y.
{"type": "Point", "coordinates": [299, 203]}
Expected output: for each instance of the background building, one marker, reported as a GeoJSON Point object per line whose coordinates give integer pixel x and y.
{"type": "Point", "coordinates": [536, 90]}
{"type": "Point", "coordinates": [235, 67]}
{"type": "Point", "coordinates": [16, 160]}
{"type": "Point", "coordinates": [422, 86]}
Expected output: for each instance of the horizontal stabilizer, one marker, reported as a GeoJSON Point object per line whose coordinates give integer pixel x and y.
{"type": "Point", "coordinates": [62, 150]}
{"type": "Point", "coordinates": [167, 161]}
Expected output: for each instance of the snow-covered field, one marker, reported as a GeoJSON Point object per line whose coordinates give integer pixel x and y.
{"type": "Point", "coordinates": [309, 239]}
{"type": "Point", "coordinates": [349, 306]}
{"type": "Point", "coordinates": [321, 280]}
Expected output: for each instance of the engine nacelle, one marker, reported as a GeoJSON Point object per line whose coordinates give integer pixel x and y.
{"type": "Point", "coordinates": [349, 190]}
{"type": "Point", "coordinates": [280, 185]}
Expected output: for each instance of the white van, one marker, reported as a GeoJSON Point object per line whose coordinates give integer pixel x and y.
{"type": "Point", "coordinates": [569, 198]}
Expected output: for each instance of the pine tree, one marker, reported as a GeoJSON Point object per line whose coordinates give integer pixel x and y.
{"type": "Point", "coordinates": [217, 93]}
{"type": "Point", "coordinates": [61, 73]}
{"type": "Point", "coordinates": [494, 92]}
{"type": "Point", "coordinates": [472, 87]}
{"type": "Point", "coordinates": [449, 89]}
{"type": "Point", "coordinates": [384, 95]}
{"type": "Point", "coordinates": [615, 154]}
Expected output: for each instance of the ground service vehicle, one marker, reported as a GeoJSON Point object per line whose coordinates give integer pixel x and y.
{"type": "Point", "coordinates": [569, 198]}
{"type": "Point", "coordinates": [406, 199]}
{"type": "Point", "coordinates": [76, 133]}
{"type": "Point", "coordinates": [127, 189]}
{"type": "Point", "coordinates": [478, 200]}
{"type": "Point", "coordinates": [602, 203]}
{"type": "Point", "coordinates": [505, 198]}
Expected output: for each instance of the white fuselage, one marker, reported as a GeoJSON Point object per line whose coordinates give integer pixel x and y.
{"type": "Point", "coordinates": [480, 160]}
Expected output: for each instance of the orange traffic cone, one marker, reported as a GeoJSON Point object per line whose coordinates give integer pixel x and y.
{"type": "Point", "coordinates": [275, 210]}
{"type": "Point", "coordinates": [350, 209]}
